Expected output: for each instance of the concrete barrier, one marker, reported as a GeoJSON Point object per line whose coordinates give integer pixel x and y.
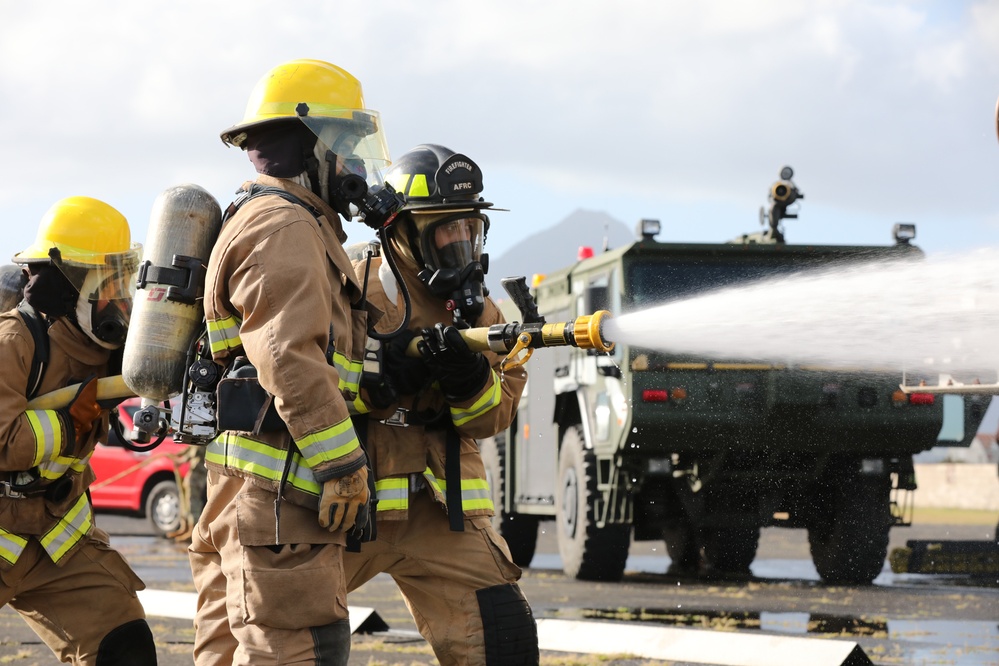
{"type": "Point", "coordinates": [957, 486]}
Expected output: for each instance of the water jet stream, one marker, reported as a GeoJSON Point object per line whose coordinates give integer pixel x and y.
{"type": "Point", "coordinates": [934, 315]}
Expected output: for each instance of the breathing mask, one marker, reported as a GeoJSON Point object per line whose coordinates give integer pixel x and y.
{"type": "Point", "coordinates": [454, 266]}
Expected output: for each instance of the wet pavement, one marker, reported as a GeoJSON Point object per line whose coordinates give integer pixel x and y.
{"type": "Point", "coordinates": [901, 619]}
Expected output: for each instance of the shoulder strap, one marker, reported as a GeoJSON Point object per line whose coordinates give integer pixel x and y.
{"type": "Point", "coordinates": [40, 333]}
{"type": "Point", "coordinates": [257, 190]}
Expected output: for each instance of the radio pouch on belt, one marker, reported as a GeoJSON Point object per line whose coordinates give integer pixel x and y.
{"type": "Point", "coordinates": [243, 404]}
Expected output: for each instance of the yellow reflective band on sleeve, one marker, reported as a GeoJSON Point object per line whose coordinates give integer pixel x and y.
{"type": "Point", "coordinates": [224, 334]}
{"type": "Point", "coordinates": [328, 444]}
{"type": "Point", "coordinates": [349, 372]}
{"type": "Point", "coordinates": [261, 460]}
{"type": "Point", "coordinates": [47, 430]}
{"type": "Point", "coordinates": [11, 545]}
{"type": "Point", "coordinates": [358, 406]}
{"type": "Point", "coordinates": [69, 530]}
{"type": "Point", "coordinates": [53, 469]}
{"type": "Point", "coordinates": [490, 399]}
{"type": "Point", "coordinates": [392, 494]}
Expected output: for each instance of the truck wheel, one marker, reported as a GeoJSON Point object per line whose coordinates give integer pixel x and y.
{"type": "Point", "coordinates": [731, 549]}
{"type": "Point", "coordinates": [850, 543]}
{"type": "Point", "coordinates": [588, 552]}
{"type": "Point", "coordinates": [163, 507]}
{"type": "Point", "coordinates": [519, 530]}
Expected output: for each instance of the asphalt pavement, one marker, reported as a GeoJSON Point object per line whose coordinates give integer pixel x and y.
{"type": "Point", "coordinates": [899, 620]}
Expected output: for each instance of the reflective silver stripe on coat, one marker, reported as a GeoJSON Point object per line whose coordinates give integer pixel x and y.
{"type": "Point", "coordinates": [261, 460]}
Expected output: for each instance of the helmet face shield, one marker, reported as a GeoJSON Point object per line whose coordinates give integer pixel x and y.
{"type": "Point", "coordinates": [106, 291]}
{"type": "Point", "coordinates": [356, 139]}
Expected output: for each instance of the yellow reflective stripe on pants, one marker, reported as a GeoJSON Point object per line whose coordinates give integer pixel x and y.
{"type": "Point", "coordinates": [69, 530]}
{"type": "Point", "coordinates": [261, 460]}
{"type": "Point", "coordinates": [329, 444]}
{"type": "Point", "coordinates": [489, 400]}
{"type": "Point", "coordinates": [392, 494]}
{"type": "Point", "coordinates": [11, 545]}
{"type": "Point", "coordinates": [224, 334]}
{"type": "Point", "coordinates": [47, 429]}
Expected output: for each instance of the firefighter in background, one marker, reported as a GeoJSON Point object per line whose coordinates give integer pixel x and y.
{"type": "Point", "coordinates": [58, 570]}
{"type": "Point", "coordinates": [434, 533]}
{"type": "Point", "coordinates": [285, 488]}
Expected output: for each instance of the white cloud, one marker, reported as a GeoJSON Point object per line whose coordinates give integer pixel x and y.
{"type": "Point", "coordinates": [633, 107]}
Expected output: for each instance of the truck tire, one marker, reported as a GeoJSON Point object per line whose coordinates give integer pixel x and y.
{"type": "Point", "coordinates": [849, 543]}
{"type": "Point", "coordinates": [731, 549]}
{"type": "Point", "coordinates": [163, 507]}
{"type": "Point", "coordinates": [588, 552]}
{"type": "Point", "coordinates": [519, 530]}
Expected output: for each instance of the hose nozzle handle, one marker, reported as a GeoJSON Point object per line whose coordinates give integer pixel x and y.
{"type": "Point", "coordinates": [520, 293]}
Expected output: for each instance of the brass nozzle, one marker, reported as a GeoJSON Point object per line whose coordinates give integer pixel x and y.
{"type": "Point", "coordinates": [588, 332]}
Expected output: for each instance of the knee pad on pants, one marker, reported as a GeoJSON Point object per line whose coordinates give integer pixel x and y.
{"type": "Point", "coordinates": [332, 643]}
{"type": "Point", "coordinates": [511, 634]}
{"type": "Point", "coordinates": [130, 644]}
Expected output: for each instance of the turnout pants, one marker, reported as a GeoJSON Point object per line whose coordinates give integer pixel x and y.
{"type": "Point", "coordinates": [73, 607]}
{"type": "Point", "coordinates": [261, 603]}
{"type": "Point", "coordinates": [451, 581]}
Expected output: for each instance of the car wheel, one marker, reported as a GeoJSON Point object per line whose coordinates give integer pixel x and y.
{"type": "Point", "coordinates": [163, 507]}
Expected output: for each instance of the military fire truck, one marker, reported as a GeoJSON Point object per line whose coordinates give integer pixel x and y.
{"type": "Point", "coordinates": [701, 453]}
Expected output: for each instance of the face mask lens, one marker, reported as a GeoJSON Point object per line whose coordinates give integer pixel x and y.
{"type": "Point", "coordinates": [454, 243]}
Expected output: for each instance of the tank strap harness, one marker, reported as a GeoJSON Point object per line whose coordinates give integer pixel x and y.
{"type": "Point", "coordinates": [40, 334]}
{"type": "Point", "coordinates": [257, 190]}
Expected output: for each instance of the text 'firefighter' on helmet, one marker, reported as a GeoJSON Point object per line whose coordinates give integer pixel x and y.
{"type": "Point", "coordinates": [325, 98]}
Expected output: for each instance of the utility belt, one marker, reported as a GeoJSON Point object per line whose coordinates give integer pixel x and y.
{"type": "Point", "coordinates": [403, 418]}
{"type": "Point", "coordinates": [55, 491]}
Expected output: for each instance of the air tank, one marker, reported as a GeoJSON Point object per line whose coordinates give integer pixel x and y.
{"type": "Point", "coordinates": [168, 309]}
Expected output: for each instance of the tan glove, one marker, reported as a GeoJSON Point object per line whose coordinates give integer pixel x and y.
{"type": "Point", "coordinates": [81, 415]}
{"type": "Point", "coordinates": [343, 504]}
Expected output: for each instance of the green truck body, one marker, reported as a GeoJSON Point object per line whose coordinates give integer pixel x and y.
{"type": "Point", "coordinates": [702, 453]}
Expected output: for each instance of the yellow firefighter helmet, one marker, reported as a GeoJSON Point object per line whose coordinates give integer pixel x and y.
{"type": "Point", "coordinates": [83, 230]}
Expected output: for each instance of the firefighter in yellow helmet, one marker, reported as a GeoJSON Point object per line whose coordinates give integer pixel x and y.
{"type": "Point", "coordinates": [287, 477]}
{"type": "Point", "coordinates": [434, 532]}
{"type": "Point", "coordinates": [58, 571]}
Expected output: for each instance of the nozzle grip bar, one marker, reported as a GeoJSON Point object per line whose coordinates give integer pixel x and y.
{"type": "Point", "coordinates": [521, 296]}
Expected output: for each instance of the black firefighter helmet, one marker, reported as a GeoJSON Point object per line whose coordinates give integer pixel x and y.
{"type": "Point", "coordinates": [442, 227]}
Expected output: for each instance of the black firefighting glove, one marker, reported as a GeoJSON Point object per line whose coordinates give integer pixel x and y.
{"type": "Point", "coordinates": [460, 372]}
{"type": "Point", "coordinates": [80, 417]}
{"type": "Point", "coordinates": [408, 374]}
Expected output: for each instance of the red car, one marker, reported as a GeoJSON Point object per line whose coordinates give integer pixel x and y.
{"type": "Point", "coordinates": [140, 484]}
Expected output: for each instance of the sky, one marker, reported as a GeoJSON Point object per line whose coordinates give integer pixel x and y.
{"type": "Point", "coordinates": [679, 111]}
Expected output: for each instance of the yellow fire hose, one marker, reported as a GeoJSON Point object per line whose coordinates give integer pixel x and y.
{"type": "Point", "coordinates": [518, 341]}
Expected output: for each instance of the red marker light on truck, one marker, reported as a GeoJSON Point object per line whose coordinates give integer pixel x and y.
{"type": "Point", "coordinates": [921, 399]}
{"type": "Point", "coordinates": [655, 395]}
